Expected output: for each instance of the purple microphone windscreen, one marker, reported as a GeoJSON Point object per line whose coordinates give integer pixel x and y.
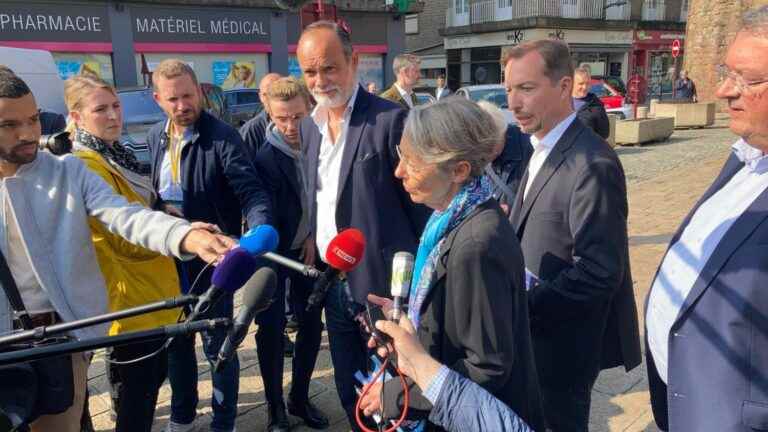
{"type": "Point", "coordinates": [234, 270]}
{"type": "Point", "coordinates": [260, 239]}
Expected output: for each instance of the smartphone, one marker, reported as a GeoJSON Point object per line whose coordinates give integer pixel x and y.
{"type": "Point", "coordinates": [373, 314]}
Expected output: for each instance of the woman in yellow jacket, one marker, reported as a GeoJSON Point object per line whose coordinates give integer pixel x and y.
{"type": "Point", "coordinates": [134, 276]}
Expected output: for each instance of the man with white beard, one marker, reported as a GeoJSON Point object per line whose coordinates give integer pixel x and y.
{"type": "Point", "coordinates": [351, 139]}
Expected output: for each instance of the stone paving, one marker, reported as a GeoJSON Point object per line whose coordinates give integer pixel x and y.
{"type": "Point", "coordinates": [664, 181]}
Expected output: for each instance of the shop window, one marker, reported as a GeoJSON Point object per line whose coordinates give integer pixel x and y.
{"type": "Point", "coordinates": [412, 24]}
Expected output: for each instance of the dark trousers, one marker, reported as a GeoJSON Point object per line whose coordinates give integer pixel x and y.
{"type": "Point", "coordinates": [269, 337]}
{"type": "Point", "coordinates": [349, 352]}
{"type": "Point", "coordinates": [182, 374]}
{"type": "Point", "coordinates": [566, 409]}
{"type": "Point", "coordinates": [135, 386]}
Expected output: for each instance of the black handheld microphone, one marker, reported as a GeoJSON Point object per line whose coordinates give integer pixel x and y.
{"type": "Point", "coordinates": [235, 269]}
{"type": "Point", "coordinates": [257, 296]}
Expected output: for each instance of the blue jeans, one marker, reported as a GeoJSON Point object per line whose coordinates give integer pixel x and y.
{"type": "Point", "coordinates": [182, 374]}
{"type": "Point", "coordinates": [347, 344]}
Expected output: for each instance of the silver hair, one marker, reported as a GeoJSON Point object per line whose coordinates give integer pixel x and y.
{"type": "Point", "coordinates": [755, 21]}
{"type": "Point", "coordinates": [499, 119]}
{"type": "Point", "coordinates": [403, 61]}
{"type": "Point", "coordinates": [451, 130]}
{"type": "Point", "coordinates": [341, 33]}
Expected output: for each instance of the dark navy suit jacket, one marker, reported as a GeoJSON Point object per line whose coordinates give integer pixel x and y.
{"type": "Point", "coordinates": [718, 345]}
{"type": "Point", "coordinates": [370, 198]}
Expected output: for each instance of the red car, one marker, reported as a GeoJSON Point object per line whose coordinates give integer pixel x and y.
{"type": "Point", "coordinates": [611, 98]}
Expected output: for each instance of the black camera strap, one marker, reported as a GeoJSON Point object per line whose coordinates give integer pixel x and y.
{"type": "Point", "coordinates": [12, 292]}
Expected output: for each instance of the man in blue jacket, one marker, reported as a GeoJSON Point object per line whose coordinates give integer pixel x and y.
{"type": "Point", "coordinates": [200, 171]}
{"type": "Point", "coordinates": [350, 140]}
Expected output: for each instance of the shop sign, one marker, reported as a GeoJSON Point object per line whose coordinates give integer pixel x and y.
{"type": "Point", "coordinates": [199, 25]}
{"type": "Point", "coordinates": [515, 37]}
{"type": "Point", "coordinates": [54, 22]}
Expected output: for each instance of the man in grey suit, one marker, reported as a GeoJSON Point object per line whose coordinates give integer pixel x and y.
{"type": "Point", "coordinates": [571, 217]}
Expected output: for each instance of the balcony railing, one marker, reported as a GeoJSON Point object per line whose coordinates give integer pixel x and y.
{"type": "Point", "coordinates": [502, 10]}
{"type": "Point", "coordinates": [654, 10]}
{"type": "Point", "coordinates": [617, 10]}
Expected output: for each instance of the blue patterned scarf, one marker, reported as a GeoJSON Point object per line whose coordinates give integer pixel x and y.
{"type": "Point", "coordinates": [474, 193]}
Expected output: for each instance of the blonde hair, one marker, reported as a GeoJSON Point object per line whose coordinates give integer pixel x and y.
{"type": "Point", "coordinates": [403, 61]}
{"type": "Point", "coordinates": [76, 88]}
{"type": "Point", "coordinates": [286, 89]}
{"type": "Point", "coordinates": [172, 68]}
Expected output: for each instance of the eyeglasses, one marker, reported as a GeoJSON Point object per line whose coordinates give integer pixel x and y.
{"type": "Point", "coordinates": [741, 83]}
{"type": "Point", "coordinates": [408, 164]}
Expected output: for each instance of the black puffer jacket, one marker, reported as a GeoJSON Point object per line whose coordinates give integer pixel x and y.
{"type": "Point", "coordinates": [592, 114]}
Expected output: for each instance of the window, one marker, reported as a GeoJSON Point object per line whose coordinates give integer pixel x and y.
{"type": "Point", "coordinates": [461, 6]}
{"type": "Point", "coordinates": [412, 24]}
{"type": "Point", "coordinates": [247, 97]}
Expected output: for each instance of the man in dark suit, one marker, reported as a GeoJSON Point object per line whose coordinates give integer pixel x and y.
{"type": "Point", "coordinates": [281, 164]}
{"type": "Point", "coordinates": [589, 108]}
{"type": "Point", "coordinates": [351, 140]}
{"type": "Point", "coordinates": [571, 217]}
{"type": "Point", "coordinates": [255, 129]}
{"type": "Point", "coordinates": [406, 69]}
{"type": "Point", "coordinates": [707, 310]}
{"type": "Point", "coordinates": [442, 89]}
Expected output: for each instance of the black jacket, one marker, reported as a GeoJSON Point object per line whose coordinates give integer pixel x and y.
{"type": "Point", "coordinates": [475, 318]}
{"type": "Point", "coordinates": [254, 133]}
{"type": "Point", "coordinates": [279, 173]}
{"type": "Point", "coordinates": [370, 197]}
{"type": "Point", "coordinates": [593, 115]}
{"type": "Point", "coordinates": [510, 165]}
{"type": "Point", "coordinates": [572, 227]}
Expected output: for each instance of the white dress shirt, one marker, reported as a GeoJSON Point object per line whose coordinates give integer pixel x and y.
{"type": "Point", "coordinates": [329, 173]}
{"type": "Point", "coordinates": [405, 95]}
{"type": "Point", "coordinates": [542, 148]}
{"type": "Point", "coordinates": [687, 257]}
{"type": "Point", "coordinates": [169, 190]}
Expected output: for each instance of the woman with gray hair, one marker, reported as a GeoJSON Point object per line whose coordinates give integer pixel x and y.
{"type": "Point", "coordinates": [467, 297]}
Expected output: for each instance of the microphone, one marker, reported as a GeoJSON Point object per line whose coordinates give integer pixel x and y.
{"type": "Point", "coordinates": [402, 272]}
{"type": "Point", "coordinates": [262, 240]}
{"type": "Point", "coordinates": [257, 296]}
{"type": "Point", "coordinates": [235, 269]}
{"type": "Point", "coordinates": [343, 254]}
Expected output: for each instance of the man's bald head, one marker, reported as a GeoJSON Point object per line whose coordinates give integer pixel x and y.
{"type": "Point", "coordinates": [264, 85]}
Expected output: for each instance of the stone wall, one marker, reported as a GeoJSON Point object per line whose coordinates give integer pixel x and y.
{"type": "Point", "coordinates": [712, 25]}
{"type": "Point", "coordinates": [431, 20]}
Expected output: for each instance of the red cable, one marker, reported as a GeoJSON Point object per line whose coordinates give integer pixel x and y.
{"type": "Point", "coordinates": [368, 386]}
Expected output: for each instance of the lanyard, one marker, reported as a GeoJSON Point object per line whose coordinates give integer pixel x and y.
{"type": "Point", "coordinates": [174, 153]}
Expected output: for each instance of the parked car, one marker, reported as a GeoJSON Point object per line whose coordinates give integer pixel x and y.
{"type": "Point", "coordinates": [493, 93]}
{"type": "Point", "coordinates": [244, 104]}
{"type": "Point", "coordinates": [424, 98]}
{"type": "Point", "coordinates": [614, 101]}
{"type": "Point", "coordinates": [615, 82]}
{"type": "Point", "coordinates": [140, 113]}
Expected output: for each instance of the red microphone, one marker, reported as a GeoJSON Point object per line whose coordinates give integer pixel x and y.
{"type": "Point", "coordinates": [343, 254]}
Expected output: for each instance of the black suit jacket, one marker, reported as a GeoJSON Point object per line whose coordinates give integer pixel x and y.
{"type": "Point", "coordinates": [475, 317]}
{"type": "Point", "coordinates": [572, 227]}
{"type": "Point", "coordinates": [370, 198]}
{"type": "Point", "coordinates": [593, 115]}
{"type": "Point", "coordinates": [278, 171]}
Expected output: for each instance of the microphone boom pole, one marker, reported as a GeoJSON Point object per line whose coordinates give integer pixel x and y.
{"type": "Point", "coordinates": [43, 332]}
{"type": "Point", "coordinates": [164, 332]}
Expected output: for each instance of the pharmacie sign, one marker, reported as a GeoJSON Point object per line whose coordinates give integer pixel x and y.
{"type": "Point", "coordinates": [54, 22]}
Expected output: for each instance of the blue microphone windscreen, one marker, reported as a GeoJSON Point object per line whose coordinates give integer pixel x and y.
{"type": "Point", "coordinates": [234, 270]}
{"type": "Point", "coordinates": [260, 239]}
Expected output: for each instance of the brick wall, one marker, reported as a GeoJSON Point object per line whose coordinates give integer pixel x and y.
{"type": "Point", "coordinates": [431, 19]}
{"type": "Point", "coordinates": [712, 25]}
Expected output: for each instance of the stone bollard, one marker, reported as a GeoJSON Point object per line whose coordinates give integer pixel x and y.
{"type": "Point", "coordinates": [612, 128]}
{"type": "Point", "coordinates": [652, 110]}
{"type": "Point", "coordinates": [642, 112]}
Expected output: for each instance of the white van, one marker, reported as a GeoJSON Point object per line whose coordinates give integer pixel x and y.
{"type": "Point", "coordinates": [39, 71]}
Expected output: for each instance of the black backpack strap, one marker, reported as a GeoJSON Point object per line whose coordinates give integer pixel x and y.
{"type": "Point", "coordinates": [12, 292]}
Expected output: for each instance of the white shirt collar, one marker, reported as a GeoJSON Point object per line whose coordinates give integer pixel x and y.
{"type": "Point", "coordinates": [405, 95]}
{"type": "Point", "coordinates": [553, 136]}
{"type": "Point", "coordinates": [320, 114]}
{"type": "Point", "coordinates": [752, 157]}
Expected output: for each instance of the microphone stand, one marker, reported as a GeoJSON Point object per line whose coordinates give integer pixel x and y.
{"type": "Point", "coordinates": [164, 332]}
{"type": "Point", "coordinates": [43, 332]}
